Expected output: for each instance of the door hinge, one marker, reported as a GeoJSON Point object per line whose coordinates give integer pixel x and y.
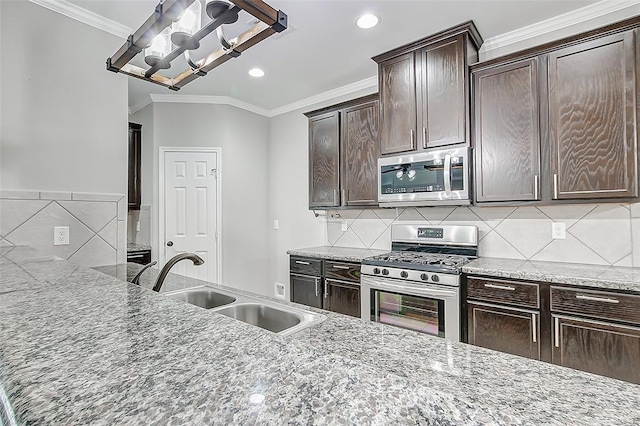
{"type": "Point", "coordinates": [214, 173]}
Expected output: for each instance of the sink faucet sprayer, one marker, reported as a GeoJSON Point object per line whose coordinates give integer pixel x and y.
{"type": "Point", "coordinates": [197, 261]}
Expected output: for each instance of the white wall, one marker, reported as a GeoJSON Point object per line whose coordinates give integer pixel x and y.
{"type": "Point", "coordinates": [63, 115]}
{"type": "Point", "coordinates": [289, 189]}
{"type": "Point", "coordinates": [243, 139]}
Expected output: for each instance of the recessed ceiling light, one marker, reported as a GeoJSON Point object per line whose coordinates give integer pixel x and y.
{"type": "Point", "coordinates": [367, 21]}
{"type": "Point", "coordinates": [256, 72]}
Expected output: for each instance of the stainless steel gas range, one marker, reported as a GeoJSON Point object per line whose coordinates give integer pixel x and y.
{"type": "Point", "coordinates": [417, 284]}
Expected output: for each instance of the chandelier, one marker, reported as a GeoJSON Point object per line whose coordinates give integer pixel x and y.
{"type": "Point", "coordinates": [175, 28]}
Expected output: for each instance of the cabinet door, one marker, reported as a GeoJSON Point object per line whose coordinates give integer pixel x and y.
{"type": "Point", "coordinates": [597, 347]}
{"type": "Point", "coordinates": [324, 171]}
{"type": "Point", "coordinates": [442, 94]}
{"type": "Point", "coordinates": [306, 290]}
{"type": "Point", "coordinates": [359, 155]}
{"type": "Point", "coordinates": [592, 119]}
{"type": "Point", "coordinates": [135, 150]}
{"type": "Point", "coordinates": [509, 330]}
{"type": "Point", "coordinates": [398, 104]}
{"type": "Point", "coordinates": [342, 297]}
{"type": "Point", "coordinates": [507, 137]}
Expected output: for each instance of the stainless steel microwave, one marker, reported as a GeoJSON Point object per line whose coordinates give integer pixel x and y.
{"type": "Point", "coordinates": [429, 178]}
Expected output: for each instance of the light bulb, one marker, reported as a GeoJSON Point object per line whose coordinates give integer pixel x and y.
{"type": "Point", "coordinates": [399, 174]}
{"type": "Point", "coordinates": [411, 174]}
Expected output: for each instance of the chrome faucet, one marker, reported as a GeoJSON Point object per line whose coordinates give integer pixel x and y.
{"type": "Point", "coordinates": [136, 279]}
{"type": "Point", "coordinates": [197, 261]}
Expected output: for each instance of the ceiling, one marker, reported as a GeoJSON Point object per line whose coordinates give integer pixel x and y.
{"type": "Point", "coordinates": [323, 49]}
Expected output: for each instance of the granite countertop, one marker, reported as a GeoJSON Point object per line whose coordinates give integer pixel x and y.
{"type": "Point", "coordinates": [80, 346]}
{"type": "Point", "coordinates": [137, 247]}
{"type": "Point", "coordinates": [347, 254]}
{"type": "Point", "coordinates": [603, 277]}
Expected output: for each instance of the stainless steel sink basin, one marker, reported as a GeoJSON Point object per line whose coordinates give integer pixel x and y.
{"type": "Point", "coordinates": [262, 316]}
{"type": "Point", "coordinates": [278, 318]}
{"type": "Point", "coordinates": [204, 297]}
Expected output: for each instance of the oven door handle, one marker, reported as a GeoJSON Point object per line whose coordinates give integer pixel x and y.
{"type": "Point", "coordinates": [419, 290]}
{"type": "Point", "coordinates": [447, 173]}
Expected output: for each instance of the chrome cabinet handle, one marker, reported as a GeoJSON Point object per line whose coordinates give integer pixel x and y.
{"type": "Point", "coordinates": [413, 139]}
{"type": "Point", "coordinates": [343, 200]}
{"type": "Point", "coordinates": [534, 327]}
{"type": "Point", "coordinates": [316, 283]}
{"type": "Point", "coordinates": [135, 256]}
{"type": "Point", "coordinates": [555, 186]}
{"type": "Point", "coordinates": [536, 187]}
{"type": "Point", "coordinates": [447, 173]}
{"type": "Point", "coordinates": [557, 331]}
{"type": "Point", "coordinates": [341, 267]}
{"type": "Point", "coordinates": [424, 138]}
{"type": "Point", "coordinates": [500, 287]}
{"type": "Point", "coordinates": [300, 262]}
{"type": "Point", "coordinates": [326, 289]}
{"type": "Point", "coordinates": [596, 299]}
{"type": "Point", "coordinates": [336, 198]}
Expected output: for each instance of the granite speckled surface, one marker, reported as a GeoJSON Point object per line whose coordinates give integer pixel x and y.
{"type": "Point", "coordinates": [79, 346]}
{"type": "Point", "coordinates": [137, 247]}
{"type": "Point", "coordinates": [346, 254]}
{"type": "Point", "coordinates": [603, 277]}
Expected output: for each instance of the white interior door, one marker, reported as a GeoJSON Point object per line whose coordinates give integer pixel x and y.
{"type": "Point", "coordinates": [190, 211]}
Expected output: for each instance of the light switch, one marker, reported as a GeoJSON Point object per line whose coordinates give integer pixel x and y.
{"type": "Point", "coordinates": [276, 224]}
{"type": "Point", "coordinates": [60, 235]}
{"type": "Point", "coordinates": [558, 231]}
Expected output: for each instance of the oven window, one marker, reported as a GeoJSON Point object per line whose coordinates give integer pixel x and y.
{"type": "Point", "coordinates": [421, 314]}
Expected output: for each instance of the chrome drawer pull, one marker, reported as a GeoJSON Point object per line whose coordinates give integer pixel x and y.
{"type": "Point", "coordinates": [300, 262]}
{"type": "Point", "coordinates": [534, 328]}
{"type": "Point", "coordinates": [341, 267]}
{"type": "Point", "coordinates": [596, 299]}
{"type": "Point", "coordinates": [556, 333]}
{"type": "Point", "coordinates": [500, 287]}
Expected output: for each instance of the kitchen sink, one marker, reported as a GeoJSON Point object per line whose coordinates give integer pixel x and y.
{"type": "Point", "coordinates": [278, 318]}
{"type": "Point", "coordinates": [203, 297]}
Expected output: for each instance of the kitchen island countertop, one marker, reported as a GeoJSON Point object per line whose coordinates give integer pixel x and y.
{"type": "Point", "coordinates": [346, 254]}
{"type": "Point", "coordinates": [80, 346]}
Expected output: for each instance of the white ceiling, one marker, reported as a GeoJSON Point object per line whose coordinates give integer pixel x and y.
{"type": "Point", "coordinates": [323, 49]}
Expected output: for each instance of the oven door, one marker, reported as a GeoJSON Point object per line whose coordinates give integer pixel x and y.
{"type": "Point", "coordinates": [429, 309]}
{"type": "Point", "coordinates": [431, 177]}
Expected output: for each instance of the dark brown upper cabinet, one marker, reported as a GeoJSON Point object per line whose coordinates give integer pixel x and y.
{"type": "Point", "coordinates": [559, 121]}
{"type": "Point", "coordinates": [424, 91]}
{"type": "Point", "coordinates": [343, 155]}
{"type": "Point", "coordinates": [507, 137]}
{"type": "Point", "coordinates": [592, 118]}
{"type": "Point", "coordinates": [324, 151]}
{"type": "Point", "coordinates": [135, 164]}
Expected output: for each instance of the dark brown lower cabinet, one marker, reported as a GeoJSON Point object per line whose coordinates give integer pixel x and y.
{"type": "Point", "coordinates": [597, 347]}
{"type": "Point", "coordinates": [342, 297]}
{"type": "Point", "coordinates": [503, 329]}
{"type": "Point", "coordinates": [306, 290]}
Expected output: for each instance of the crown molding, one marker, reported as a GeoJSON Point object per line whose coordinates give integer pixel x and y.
{"type": "Point", "coordinates": [585, 14]}
{"type": "Point", "coordinates": [81, 14]}
{"type": "Point", "coordinates": [367, 83]}
{"type": "Point", "coordinates": [143, 103]}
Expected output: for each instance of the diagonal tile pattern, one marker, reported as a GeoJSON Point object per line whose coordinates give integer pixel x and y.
{"type": "Point", "coordinates": [596, 233]}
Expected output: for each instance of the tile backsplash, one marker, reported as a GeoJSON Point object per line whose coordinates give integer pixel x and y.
{"type": "Point", "coordinates": [97, 224]}
{"type": "Point", "coordinates": [601, 234]}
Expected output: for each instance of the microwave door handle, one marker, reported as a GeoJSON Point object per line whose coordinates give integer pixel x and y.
{"type": "Point", "coordinates": [447, 173]}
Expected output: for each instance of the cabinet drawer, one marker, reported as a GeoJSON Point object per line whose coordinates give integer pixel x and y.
{"type": "Point", "coordinates": [342, 271]}
{"type": "Point", "coordinates": [597, 304]}
{"type": "Point", "coordinates": [501, 291]}
{"type": "Point", "coordinates": [306, 266]}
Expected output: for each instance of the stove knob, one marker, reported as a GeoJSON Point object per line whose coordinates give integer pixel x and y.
{"type": "Point", "coordinates": [424, 277]}
{"type": "Point", "coordinates": [385, 272]}
{"type": "Point", "coordinates": [435, 278]}
{"type": "Point", "coordinates": [404, 274]}
{"type": "Point", "coordinates": [376, 270]}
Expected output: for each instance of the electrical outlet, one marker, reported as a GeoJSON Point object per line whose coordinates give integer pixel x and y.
{"type": "Point", "coordinates": [279, 291]}
{"type": "Point", "coordinates": [60, 235]}
{"type": "Point", "coordinates": [344, 225]}
{"type": "Point", "coordinates": [558, 231]}
{"type": "Point", "coordinates": [276, 224]}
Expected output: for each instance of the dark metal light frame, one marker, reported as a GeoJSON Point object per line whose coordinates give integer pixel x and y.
{"type": "Point", "coordinates": [271, 21]}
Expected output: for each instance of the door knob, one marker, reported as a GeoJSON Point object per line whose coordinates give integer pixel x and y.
{"type": "Point", "coordinates": [169, 243]}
